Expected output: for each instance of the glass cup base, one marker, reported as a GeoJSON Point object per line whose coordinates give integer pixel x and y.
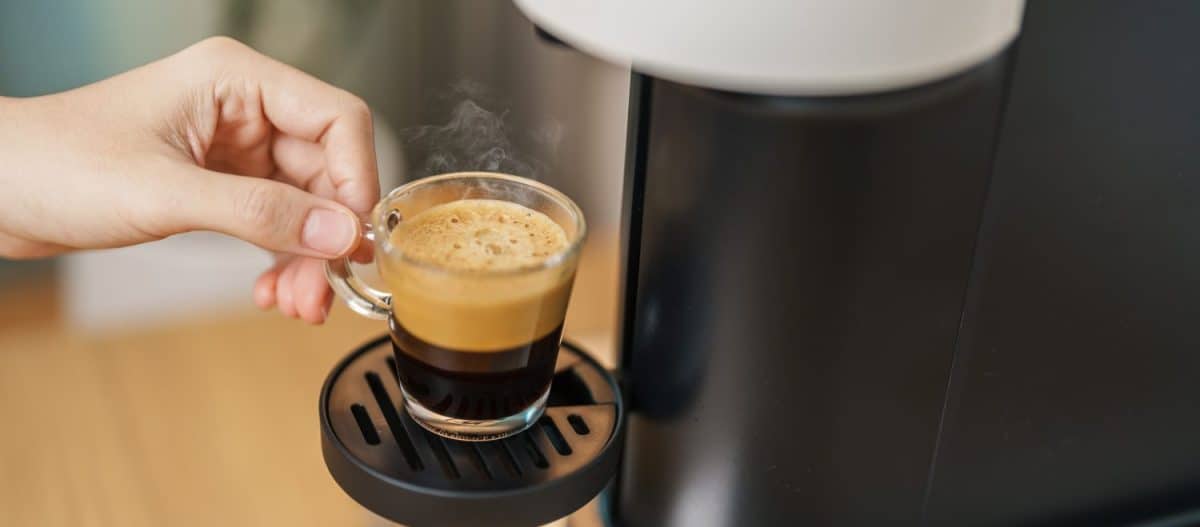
{"type": "Point", "coordinates": [475, 430]}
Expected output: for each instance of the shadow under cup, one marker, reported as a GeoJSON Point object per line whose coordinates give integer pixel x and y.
{"type": "Point", "coordinates": [474, 349]}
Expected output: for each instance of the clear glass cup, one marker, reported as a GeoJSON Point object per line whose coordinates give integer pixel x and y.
{"type": "Point", "coordinates": [475, 348]}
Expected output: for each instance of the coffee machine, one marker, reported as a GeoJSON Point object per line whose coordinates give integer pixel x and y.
{"type": "Point", "coordinates": [920, 263]}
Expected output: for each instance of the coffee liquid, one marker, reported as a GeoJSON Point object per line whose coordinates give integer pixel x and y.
{"type": "Point", "coordinates": [481, 386]}
{"type": "Point", "coordinates": [476, 318]}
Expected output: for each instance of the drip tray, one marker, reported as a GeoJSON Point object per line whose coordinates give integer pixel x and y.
{"type": "Point", "coordinates": [400, 471]}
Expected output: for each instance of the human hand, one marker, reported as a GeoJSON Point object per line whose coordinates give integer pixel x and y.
{"type": "Point", "coordinates": [216, 137]}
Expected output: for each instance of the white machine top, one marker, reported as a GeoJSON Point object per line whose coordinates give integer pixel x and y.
{"type": "Point", "coordinates": [786, 47]}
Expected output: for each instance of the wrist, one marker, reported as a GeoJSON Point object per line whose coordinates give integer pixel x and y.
{"type": "Point", "coordinates": [14, 112]}
{"type": "Point", "coordinates": [8, 108]}
{"type": "Point", "coordinates": [19, 116]}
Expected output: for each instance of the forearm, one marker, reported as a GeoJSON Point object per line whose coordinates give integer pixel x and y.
{"type": "Point", "coordinates": [16, 193]}
{"type": "Point", "coordinates": [43, 172]}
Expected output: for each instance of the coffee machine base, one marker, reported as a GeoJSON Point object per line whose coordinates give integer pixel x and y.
{"type": "Point", "coordinates": [395, 468]}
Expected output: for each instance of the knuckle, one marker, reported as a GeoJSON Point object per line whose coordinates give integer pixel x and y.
{"type": "Point", "coordinates": [358, 108]}
{"type": "Point", "coordinates": [214, 52]}
{"type": "Point", "coordinates": [220, 45]}
{"type": "Point", "coordinates": [259, 209]}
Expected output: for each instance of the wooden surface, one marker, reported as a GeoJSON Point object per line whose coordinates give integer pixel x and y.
{"type": "Point", "coordinates": [204, 422]}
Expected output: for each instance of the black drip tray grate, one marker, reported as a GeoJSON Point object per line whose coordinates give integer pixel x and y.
{"type": "Point", "coordinates": [401, 471]}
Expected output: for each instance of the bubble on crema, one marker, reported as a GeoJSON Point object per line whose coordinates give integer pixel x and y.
{"type": "Point", "coordinates": [480, 234]}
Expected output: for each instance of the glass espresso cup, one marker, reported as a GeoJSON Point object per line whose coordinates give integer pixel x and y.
{"type": "Point", "coordinates": [475, 344]}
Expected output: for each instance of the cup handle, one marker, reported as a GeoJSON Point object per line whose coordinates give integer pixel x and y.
{"type": "Point", "coordinates": [358, 296]}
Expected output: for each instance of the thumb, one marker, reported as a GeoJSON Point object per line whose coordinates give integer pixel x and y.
{"type": "Point", "coordinates": [267, 213]}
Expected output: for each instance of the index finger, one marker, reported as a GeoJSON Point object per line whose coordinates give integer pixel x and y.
{"type": "Point", "coordinates": [302, 106]}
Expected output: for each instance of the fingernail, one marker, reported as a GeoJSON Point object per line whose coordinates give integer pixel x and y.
{"type": "Point", "coordinates": [329, 231]}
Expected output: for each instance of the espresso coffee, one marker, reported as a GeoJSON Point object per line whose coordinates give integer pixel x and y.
{"type": "Point", "coordinates": [477, 312]}
{"type": "Point", "coordinates": [479, 386]}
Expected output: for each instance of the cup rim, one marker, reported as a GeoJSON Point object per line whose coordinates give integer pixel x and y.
{"type": "Point", "coordinates": [574, 245]}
